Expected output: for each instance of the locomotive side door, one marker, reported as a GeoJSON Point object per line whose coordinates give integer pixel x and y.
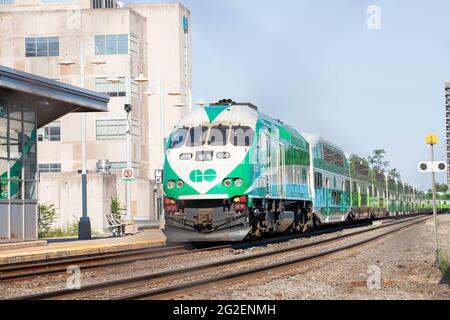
{"type": "Point", "coordinates": [281, 173]}
{"type": "Point", "coordinates": [264, 161]}
{"type": "Point", "coordinates": [274, 162]}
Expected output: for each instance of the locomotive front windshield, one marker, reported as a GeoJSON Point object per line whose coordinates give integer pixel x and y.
{"type": "Point", "coordinates": [241, 136]}
{"type": "Point", "coordinates": [218, 135]}
{"type": "Point", "coordinates": [178, 138]}
{"type": "Point", "coordinates": [197, 136]}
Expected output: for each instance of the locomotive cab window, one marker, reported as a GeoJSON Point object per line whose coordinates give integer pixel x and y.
{"type": "Point", "coordinates": [241, 136]}
{"type": "Point", "coordinates": [218, 135]}
{"type": "Point", "coordinates": [178, 138]}
{"type": "Point", "coordinates": [197, 136]}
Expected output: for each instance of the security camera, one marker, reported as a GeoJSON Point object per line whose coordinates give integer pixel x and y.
{"type": "Point", "coordinates": [127, 108]}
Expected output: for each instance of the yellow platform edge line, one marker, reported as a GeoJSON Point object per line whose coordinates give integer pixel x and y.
{"type": "Point", "coordinates": [76, 249]}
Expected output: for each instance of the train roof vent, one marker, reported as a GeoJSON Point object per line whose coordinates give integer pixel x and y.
{"type": "Point", "coordinates": [232, 103]}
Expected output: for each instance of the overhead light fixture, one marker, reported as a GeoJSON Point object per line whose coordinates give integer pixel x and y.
{"type": "Point", "coordinates": [66, 61]}
{"type": "Point", "coordinates": [179, 105]}
{"type": "Point", "coordinates": [174, 93]}
{"type": "Point", "coordinates": [140, 78]}
{"type": "Point", "coordinates": [98, 61]}
{"type": "Point", "coordinates": [201, 103]}
{"type": "Point", "coordinates": [113, 79]}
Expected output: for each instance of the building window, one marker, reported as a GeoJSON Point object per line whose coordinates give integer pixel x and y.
{"type": "Point", "coordinates": [49, 167]}
{"type": "Point", "coordinates": [111, 129]}
{"type": "Point", "coordinates": [6, 1]}
{"type": "Point", "coordinates": [51, 132]}
{"type": "Point", "coordinates": [111, 89]}
{"type": "Point", "coordinates": [111, 44]}
{"type": "Point", "coordinates": [17, 151]}
{"type": "Point", "coordinates": [116, 166]}
{"type": "Point", "coordinates": [98, 4]}
{"type": "Point", "coordinates": [42, 47]}
{"type": "Point", "coordinates": [57, 1]}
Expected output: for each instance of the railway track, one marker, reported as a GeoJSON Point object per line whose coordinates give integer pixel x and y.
{"type": "Point", "coordinates": [25, 271]}
{"type": "Point", "coordinates": [162, 279]}
{"type": "Point", "coordinates": [40, 268]}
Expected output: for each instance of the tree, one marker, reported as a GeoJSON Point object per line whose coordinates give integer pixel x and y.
{"type": "Point", "coordinates": [376, 160]}
{"type": "Point", "coordinates": [394, 173]}
{"type": "Point", "coordinates": [441, 187]}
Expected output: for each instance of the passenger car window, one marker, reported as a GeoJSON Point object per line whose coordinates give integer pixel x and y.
{"type": "Point", "coordinates": [178, 138]}
{"type": "Point", "coordinates": [241, 136]}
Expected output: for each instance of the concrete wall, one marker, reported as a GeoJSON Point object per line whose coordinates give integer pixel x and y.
{"type": "Point", "coordinates": [63, 190]}
{"type": "Point", "coordinates": [163, 50]}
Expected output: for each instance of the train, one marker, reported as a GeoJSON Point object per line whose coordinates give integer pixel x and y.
{"type": "Point", "coordinates": [232, 173]}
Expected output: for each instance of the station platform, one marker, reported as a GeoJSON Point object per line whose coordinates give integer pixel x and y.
{"type": "Point", "coordinates": [63, 248]}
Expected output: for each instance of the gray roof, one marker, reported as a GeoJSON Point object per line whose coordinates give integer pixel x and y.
{"type": "Point", "coordinates": [52, 99]}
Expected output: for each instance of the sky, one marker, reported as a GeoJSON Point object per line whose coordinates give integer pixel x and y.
{"type": "Point", "coordinates": [315, 65]}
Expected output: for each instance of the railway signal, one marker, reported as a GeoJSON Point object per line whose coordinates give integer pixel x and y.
{"type": "Point", "coordinates": [433, 167]}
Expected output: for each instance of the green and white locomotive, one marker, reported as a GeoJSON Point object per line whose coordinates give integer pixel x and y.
{"type": "Point", "coordinates": [233, 173]}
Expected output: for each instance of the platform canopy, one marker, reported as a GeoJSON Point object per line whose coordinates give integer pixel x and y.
{"type": "Point", "coordinates": [51, 99]}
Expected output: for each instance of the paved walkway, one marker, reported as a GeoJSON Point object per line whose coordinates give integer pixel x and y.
{"type": "Point", "coordinates": [71, 248]}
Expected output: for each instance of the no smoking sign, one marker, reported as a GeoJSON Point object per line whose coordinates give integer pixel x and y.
{"type": "Point", "coordinates": [128, 174]}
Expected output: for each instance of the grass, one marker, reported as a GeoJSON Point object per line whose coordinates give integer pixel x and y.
{"type": "Point", "coordinates": [444, 262]}
{"type": "Point", "coordinates": [60, 233]}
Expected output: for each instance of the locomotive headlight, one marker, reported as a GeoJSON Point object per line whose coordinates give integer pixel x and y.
{"type": "Point", "coordinates": [227, 182]}
{"type": "Point", "coordinates": [238, 182]}
{"type": "Point", "coordinates": [170, 184]}
{"type": "Point", "coordinates": [186, 156]}
{"type": "Point", "coordinates": [223, 155]}
{"type": "Point", "coordinates": [180, 184]}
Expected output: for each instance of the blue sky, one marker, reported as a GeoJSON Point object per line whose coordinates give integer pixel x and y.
{"type": "Point", "coordinates": [315, 65]}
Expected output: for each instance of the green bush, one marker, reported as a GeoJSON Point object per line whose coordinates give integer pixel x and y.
{"type": "Point", "coordinates": [46, 217]}
{"type": "Point", "coordinates": [444, 261]}
{"type": "Point", "coordinates": [116, 207]}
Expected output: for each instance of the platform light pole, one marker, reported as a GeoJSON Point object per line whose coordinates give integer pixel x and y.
{"type": "Point", "coordinates": [84, 225]}
{"type": "Point", "coordinates": [162, 114]}
{"type": "Point", "coordinates": [140, 79]}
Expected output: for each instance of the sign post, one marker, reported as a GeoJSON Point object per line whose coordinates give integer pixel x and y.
{"type": "Point", "coordinates": [432, 139]}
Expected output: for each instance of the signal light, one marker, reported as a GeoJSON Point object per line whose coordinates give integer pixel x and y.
{"type": "Point", "coordinates": [168, 201]}
{"type": "Point", "coordinates": [170, 184]}
{"type": "Point", "coordinates": [223, 155]}
{"type": "Point", "coordinates": [241, 199]}
{"type": "Point", "coordinates": [186, 156]}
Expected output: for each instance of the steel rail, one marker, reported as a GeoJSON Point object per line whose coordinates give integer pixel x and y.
{"type": "Point", "coordinates": [24, 272]}
{"type": "Point", "coordinates": [27, 270]}
{"type": "Point", "coordinates": [175, 290]}
{"type": "Point", "coordinates": [64, 293]}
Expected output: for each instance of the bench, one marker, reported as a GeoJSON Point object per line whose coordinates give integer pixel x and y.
{"type": "Point", "coordinates": [116, 225]}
